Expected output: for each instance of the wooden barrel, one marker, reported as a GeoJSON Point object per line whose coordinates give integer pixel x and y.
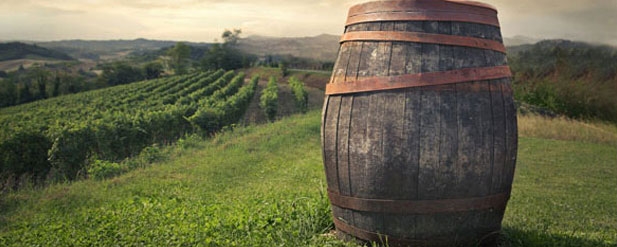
{"type": "Point", "coordinates": [419, 130]}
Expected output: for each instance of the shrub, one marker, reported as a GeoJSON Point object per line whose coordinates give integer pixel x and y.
{"type": "Point", "coordinates": [152, 154]}
{"type": "Point", "coordinates": [25, 153]}
{"type": "Point", "coordinates": [300, 94]}
{"type": "Point", "coordinates": [70, 150]}
{"type": "Point", "coordinates": [269, 99]}
{"type": "Point", "coordinates": [100, 169]}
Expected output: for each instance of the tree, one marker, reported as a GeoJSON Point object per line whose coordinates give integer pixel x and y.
{"type": "Point", "coordinates": [55, 91]}
{"type": "Point", "coordinates": [8, 93]}
{"type": "Point", "coordinates": [119, 73]}
{"type": "Point", "coordinates": [283, 65]}
{"type": "Point", "coordinates": [23, 94]}
{"type": "Point", "coordinates": [226, 55]}
{"type": "Point", "coordinates": [39, 77]}
{"type": "Point", "coordinates": [179, 55]}
{"type": "Point", "coordinates": [231, 38]}
{"type": "Point", "coordinates": [153, 70]}
{"type": "Point", "coordinates": [73, 85]}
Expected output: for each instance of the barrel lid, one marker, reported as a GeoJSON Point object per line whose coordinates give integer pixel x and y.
{"type": "Point", "coordinates": [423, 5]}
{"type": "Point", "coordinates": [474, 3]}
{"type": "Point", "coordinates": [423, 10]}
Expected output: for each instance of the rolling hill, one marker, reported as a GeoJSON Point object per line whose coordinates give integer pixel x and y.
{"type": "Point", "coordinates": [104, 49]}
{"type": "Point", "coordinates": [321, 48]}
{"type": "Point", "coordinates": [265, 186]}
{"type": "Point", "coordinates": [18, 50]}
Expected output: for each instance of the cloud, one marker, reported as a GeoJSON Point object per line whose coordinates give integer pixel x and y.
{"type": "Point", "coordinates": [587, 20]}
{"type": "Point", "coordinates": [204, 20]}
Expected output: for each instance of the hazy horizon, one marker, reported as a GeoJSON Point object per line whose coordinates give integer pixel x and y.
{"type": "Point", "coordinates": [205, 20]}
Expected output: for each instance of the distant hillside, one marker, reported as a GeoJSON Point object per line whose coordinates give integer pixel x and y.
{"type": "Point", "coordinates": [321, 48]}
{"type": "Point", "coordinates": [519, 40]}
{"type": "Point", "coordinates": [101, 49]}
{"type": "Point", "coordinates": [572, 78]}
{"type": "Point", "coordinates": [565, 58]}
{"type": "Point", "coordinates": [17, 50]}
{"type": "Point", "coordinates": [197, 52]}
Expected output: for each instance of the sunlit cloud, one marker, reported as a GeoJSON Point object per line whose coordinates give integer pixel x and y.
{"type": "Point", "coordinates": [205, 20]}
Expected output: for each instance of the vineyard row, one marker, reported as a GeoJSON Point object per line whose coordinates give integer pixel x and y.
{"type": "Point", "coordinates": [61, 136]}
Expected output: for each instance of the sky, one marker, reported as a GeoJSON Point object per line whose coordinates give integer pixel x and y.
{"type": "Point", "coordinates": [205, 20]}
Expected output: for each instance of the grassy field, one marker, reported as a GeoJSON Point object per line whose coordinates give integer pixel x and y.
{"type": "Point", "coordinates": [565, 129]}
{"type": "Point", "coordinates": [264, 186]}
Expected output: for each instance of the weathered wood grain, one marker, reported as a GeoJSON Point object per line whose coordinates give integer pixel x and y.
{"type": "Point", "coordinates": [426, 143]}
{"type": "Point", "coordinates": [330, 141]}
{"type": "Point", "coordinates": [343, 135]}
{"type": "Point", "coordinates": [343, 59]}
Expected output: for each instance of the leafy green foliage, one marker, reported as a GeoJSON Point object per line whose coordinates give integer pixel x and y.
{"type": "Point", "coordinates": [284, 67]}
{"type": "Point", "coordinates": [570, 78]}
{"type": "Point", "coordinates": [264, 186]}
{"type": "Point", "coordinates": [118, 73]}
{"type": "Point", "coordinates": [104, 169]}
{"type": "Point", "coordinates": [186, 201]}
{"type": "Point", "coordinates": [179, 57]}
{"type": "Point", "coordinates": [300, 94]}
{"type": "Point", "coordinates": [70, 150]}
{"type": "Point", "coordinates": [231, 37]}
{"type": "Point", "coordinates": [226, 56]}
{"type": "Point", "coordinates": [153, 70]}
{"type": "Point", "coordinates": [25, 152]}
{"type": "Point", "coordinates": [214, 115]}
{"type": "Point", "coordinates": [8, 93]}
{"type": "Point", "coordinates": [269, 99]}
{"type": "Point", "coordinates": [51, 80]}
{"type": "Point", "coordinates": [65, 134]}
{"type": "Point", "coordinates": [17, 50]}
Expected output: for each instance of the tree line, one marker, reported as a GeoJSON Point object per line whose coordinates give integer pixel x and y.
{"type": "Point", "coordinates": [47, 81]}
{"type": "Point", "coordinates": [570, 78]}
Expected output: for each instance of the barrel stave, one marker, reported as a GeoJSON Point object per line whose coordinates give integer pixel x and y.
{"type": "Point", "coordinates": [430, 143]}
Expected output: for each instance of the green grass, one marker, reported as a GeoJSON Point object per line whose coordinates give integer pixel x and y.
{"type": "Point", "coordinates": [561, 128]}
{"type": "Point", "coordinates": [565, 194]}
{"type": "Point", "coordinates": [264, 186]}
{"type": "Point", "coordinates": [256, 186]}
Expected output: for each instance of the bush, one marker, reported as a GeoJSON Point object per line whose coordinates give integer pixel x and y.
{"type": "Point", "coordinates": [70, 150]}
{"type": "Point", "coordinates": [269, 99]}
{"type": "Point", "coordinates": [570, 78]}
{"type": "Point", "coordinates": [152, 154]}
{"type": "Point", "coordinates": [575, 99]}
{"type": "Point", "coordinates": [207, 119]}
{"type": "Point", "coordinates": [300, 94]}
{"type": "Point", "coordinates": [25, 153]}
{"type": "Point", "coordinates": [100, 169]}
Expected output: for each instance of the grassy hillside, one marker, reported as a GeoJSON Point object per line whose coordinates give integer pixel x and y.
{"type": "Point", "coordinates": [17, 50]}
{"type": "Point", "coordinates": [571, 78]}
{"type": "Point", "coordinates": [106, 49]}
{"type": "Point", "coordinates": [264, 186]}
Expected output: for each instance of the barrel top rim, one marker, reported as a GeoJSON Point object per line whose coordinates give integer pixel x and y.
{"type": "Point", "coordinates": [454, 2]}
{"type": "Point", "coordinates": [474, 3]}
